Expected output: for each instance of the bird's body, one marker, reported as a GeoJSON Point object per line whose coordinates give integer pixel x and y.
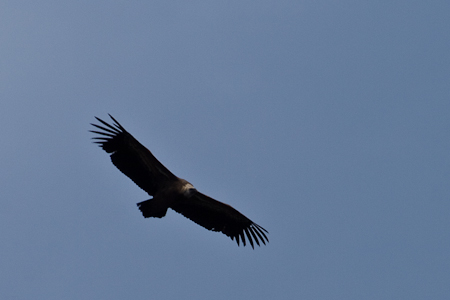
{"type": "Point", "coordinates": [167, 196]}
{"type": "Point", "coordinates": [169, 191]}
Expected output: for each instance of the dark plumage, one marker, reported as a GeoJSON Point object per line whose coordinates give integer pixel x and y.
{"type": "Point", "coordinates": [169, 191]}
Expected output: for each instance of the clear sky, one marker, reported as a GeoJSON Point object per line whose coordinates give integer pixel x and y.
{"type": "Point", "coordinates": [326, 122]}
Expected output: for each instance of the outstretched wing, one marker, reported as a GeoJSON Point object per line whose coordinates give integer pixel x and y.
{"type": "Point", "coordinates": [218, 216]}
{"type": "Point", "coordinates": [131, 157]}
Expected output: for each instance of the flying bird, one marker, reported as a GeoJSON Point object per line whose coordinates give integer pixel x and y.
{"type": "Point", "coordinates": [170, 191]}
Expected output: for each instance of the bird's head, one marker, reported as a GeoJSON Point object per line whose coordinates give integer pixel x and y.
{"type": "Point", "coordinates": [189, 190]}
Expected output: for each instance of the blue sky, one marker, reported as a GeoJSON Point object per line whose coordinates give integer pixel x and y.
{"type": "Point", "coordinates": [326, 122]}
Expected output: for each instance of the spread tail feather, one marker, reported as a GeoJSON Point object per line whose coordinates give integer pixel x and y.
{"type": "Point", "coordinates": [149, 208]}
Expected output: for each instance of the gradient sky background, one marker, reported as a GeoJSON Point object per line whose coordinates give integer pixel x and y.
{"type": "Point", "coordinates": [326, 122]}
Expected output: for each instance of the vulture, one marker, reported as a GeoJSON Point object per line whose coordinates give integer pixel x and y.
{"type": "Point", "coordinates": [170, 191]}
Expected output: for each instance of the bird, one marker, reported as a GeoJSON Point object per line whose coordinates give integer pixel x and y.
{"type": "Point", "coordinates": [169, 191]}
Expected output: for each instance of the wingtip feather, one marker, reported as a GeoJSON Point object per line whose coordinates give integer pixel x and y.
{"type": "Point", "coordinates": [249, 238]}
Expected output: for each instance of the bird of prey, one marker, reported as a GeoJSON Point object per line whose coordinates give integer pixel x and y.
{"type": "Point", "coordinates": [167, 190]}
